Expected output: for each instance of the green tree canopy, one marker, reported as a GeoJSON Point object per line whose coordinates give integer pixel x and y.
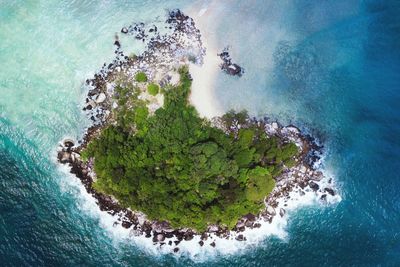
{"type": "Point", "coordinates": [141, 77]}
{"type": "Point", "coordinates": [153, 89]}
{"type": "Point", "coordinates": [175, 166]}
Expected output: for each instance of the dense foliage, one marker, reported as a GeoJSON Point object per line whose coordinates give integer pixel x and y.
{"type": "Point", "coordinates": [141, 77]}
{"type": "Point", "coordinates": [153, 89]}
{"type": "Point", "coordinates": [175, 166]}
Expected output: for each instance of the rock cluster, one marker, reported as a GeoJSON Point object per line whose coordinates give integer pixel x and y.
{"type": "Point", "coordinates": [227, 66]}
{"type": "Point", "coordinates": [163, 54]}
{"type": "Point", "coordinates": [303, 175]}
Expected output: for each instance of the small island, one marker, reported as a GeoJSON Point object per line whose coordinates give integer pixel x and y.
{"type": "Point", "coordinates": [175, 166]}
{"type": "Point", "coordinates": [165, 171]}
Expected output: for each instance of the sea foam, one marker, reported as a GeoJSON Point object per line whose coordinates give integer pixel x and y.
{"type": "Point", "coordinates": [70, 184]}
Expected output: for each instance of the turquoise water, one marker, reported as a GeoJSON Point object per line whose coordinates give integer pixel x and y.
{"type": "Point", "coordinates": [330, 66]}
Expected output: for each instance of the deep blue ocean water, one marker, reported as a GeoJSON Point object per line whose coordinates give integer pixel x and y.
{"type": "Point", "coordinates": [330, 66]}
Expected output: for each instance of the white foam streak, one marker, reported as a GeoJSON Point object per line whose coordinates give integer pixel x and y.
{"type": "Point", "coordinates": [87, 204]}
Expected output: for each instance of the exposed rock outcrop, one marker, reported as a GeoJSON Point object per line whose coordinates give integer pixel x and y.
{"type": "Point", "coordinates": [228, 66]}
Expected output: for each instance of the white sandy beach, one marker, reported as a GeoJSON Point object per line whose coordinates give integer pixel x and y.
{"type": "Point", "coordinates": [203, 86]}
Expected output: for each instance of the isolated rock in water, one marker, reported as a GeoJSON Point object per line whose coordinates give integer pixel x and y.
{"type": "Point", "coordinates": [234, 69]}
{"type": "Point", "coordinates": [330, 191]}
{"type": "Point", "coordinates": [240, 238]}
{"type": "Point", "coordinates": [227, 65]}
{"type": "Point", "coordinates": [282, 212]}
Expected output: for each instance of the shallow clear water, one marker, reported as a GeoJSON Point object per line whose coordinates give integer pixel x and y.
{"type": "Point", "coordinates": [330, 66]}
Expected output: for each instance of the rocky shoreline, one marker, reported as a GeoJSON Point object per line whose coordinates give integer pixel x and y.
{"type": "Point", "coordinates": [172, 44]}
